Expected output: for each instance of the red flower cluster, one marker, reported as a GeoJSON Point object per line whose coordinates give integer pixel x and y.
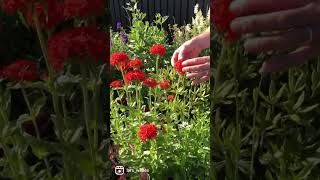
{"type": "Point", "coordinates": [135, 63]}
{"type": "Point", "coordinates": [82, 8]}
{"type": "Point", "coordinates": [222, 17]}
{"type": "Point", "coordinates": [82, 42]}
{"type": "Point", "coordinates": [164, 84]}
{"type": "Point", "coordinates": [21, 70]}
{"type": "Point", "coordinates": [147, 132]}
{"type": "Point", "coordinates": [52, 12]}
{"type": "Point", "coordinates": [50, 18]}
{"type": "Point", "coordinates": [178, 66]}
{"type": "Point", "coordinates": [134, 75]}
{"type": "Point", "coordinates": [120, 60]}
{"type": "Point", "coordinates": [150, 82]}
{"type": "Point", "coordinates": [158, 49]}
{"type": "Point", "coordinates": [116, 84]}
{"type": "Point", "coordinates": [12, 6]}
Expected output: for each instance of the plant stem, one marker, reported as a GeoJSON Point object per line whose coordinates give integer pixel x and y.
{"type": "Point", "coordinates": [52, 86]}
{"type": "Point", "coordinates": [157, 65]}
{"type": "Point", "coordinates": [86, 113]}
{"type": "Point", "coordinates": [35, 125]}
{"type": "Point", "coordinates": [25, 96]}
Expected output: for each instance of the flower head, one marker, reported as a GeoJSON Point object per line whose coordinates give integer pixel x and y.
{"type": "Point", "coordinates": [124, 37]}
{"type": "Point", "coordinates": [21, 70]}
{"type": "Point", "coordinates": [78, 43]}
{"type": "Point", "coordinates": [171, 97]}
{"type": "Point", "coordinates": [222, 17]}
{"type": "Point", "coordinates": [135, 63]}
{"type": "Point", "coordinates": [150, 82]}
{"type": "Point", "coordinates": [118, 57]}
{"type": "Point", "coordinates": [134, 75]}
{"type": "Point", "coordinates": [116, 84]}
{"type": "Point", "coordinates": [158, 49]}
{"type": "Point", "coordinates": [48, 18]}
{"type": "Point", "coordinates": [164, 84]}
{"type": "Point", "coordinates": [147, 132]}
{"type": "Point", "coordinates": [178, 66]}
{"type": "Point", "coordinates": [12, 6]}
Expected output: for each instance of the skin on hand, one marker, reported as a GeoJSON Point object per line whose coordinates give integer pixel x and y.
{"type": "Point", "coordinates": [297, 21]}
{"type": "Point", "coordinates": [192, 48]}
{"type": "Point", "coordinates": [197, 69]}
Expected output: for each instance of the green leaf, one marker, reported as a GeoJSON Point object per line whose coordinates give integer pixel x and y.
{"type": "Point", "coordinates": [24, 118]}
{"type": "Point", "coordinates": [40, 150]}
{"type": "Point", "coordinates": [310, 108]}
{"type": "Point", "coordinates": [77, 134]}
{"type": "Point", "coordinates": [38, 105]}
{"type": "Point", "coordinates": [295, 118]}
{"type": "Point", "coordinates": [299, 101]}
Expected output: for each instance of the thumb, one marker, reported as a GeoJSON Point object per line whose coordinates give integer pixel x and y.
{"type": "Point", "coordinates": [174, 58]}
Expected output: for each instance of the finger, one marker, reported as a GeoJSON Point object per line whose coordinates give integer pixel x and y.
{"type": "Point", "coordinates": [197, 68]}
{"type": "Point", "coordinates": [196, 61]}
{"type": "Point", "coordinates": [285, 41]}
{"type": "Point", "coordinates": [247, 7]}
{"type": "Point", "coordinates": [284, 62]}
{"type": "Point", "coordinates": [174, 58]}
{"type": "Point", "coordinates": [203, 79]}
{"type": "Point", "coordinates": [276, 20]}
{"type": "Point", "coordinates": [196, 75]}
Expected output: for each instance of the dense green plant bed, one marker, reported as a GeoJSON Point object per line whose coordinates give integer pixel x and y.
{"type": "Point", "coordinates": [159, 121]}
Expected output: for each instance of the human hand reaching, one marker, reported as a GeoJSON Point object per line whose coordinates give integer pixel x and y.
{"type": "Point", "coordinates": [197, 69]}
{"type": "Point", "coordinates": [188, 50]}
{"type": "Point", "coordinates": [297, 23]}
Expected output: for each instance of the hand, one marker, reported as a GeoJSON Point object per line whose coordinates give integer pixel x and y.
{"type": "Point", "coordinates": [188, 50]}
{"type": "Point", "coordinates": [296, 19]}
{"type": "Point", "coordinates": [197, 69]}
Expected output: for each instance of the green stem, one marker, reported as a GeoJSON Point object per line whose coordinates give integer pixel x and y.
{"type": "Point", "coordinates": [157, 65]}
{"type": "Point", "coordinates": [97, 114]}
{"type": "Point", "coordinates": [33, 118]}
{"type": "Point", "coordinates": [35, 125]}
{"type": "Point", "coordinates": [52, 86]}
{"type": "Point", "coordinates": [86, 114]}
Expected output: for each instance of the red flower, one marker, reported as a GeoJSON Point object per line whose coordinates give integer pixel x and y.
{"type": "Point", "coordinates": [40, 12]}
{"type": "Point", "coordinates": [134, 75]}
{"type": "Point", "coordinates": [135, 63]}
{"type": "Point", "coordinates": [158, 49]}
{"type": "Point", "coordinates": [122, 66]}
{"type": "Point", "coordinates": [116, 84]}
{"type": "Point", "coordinates": [151, 82]}
{"type": "Point", "coordinates": [21, 70]}
{"type": "Point", "coordinates": [78, 43]}
{"type": "Point", "coordinates": [164, 84]}
{"type": "Point", "coordinates": [222, 17]}
{"type": "Point", "coordinates": [83, 8]}
{"type": "Point", "coordinates": [171, 97]}
{"type": "Point", "coordinates": [118, 57]}
{"type": "Point", "coordinates": [147, 132]}
{"type": "Point", "coordinates": [178, 66]}
{"type": "Point", "coordinates": [12, 6]}
{"type": "Point", "coordinates": [55, 13]}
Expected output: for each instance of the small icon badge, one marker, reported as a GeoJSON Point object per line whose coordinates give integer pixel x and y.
{"type": "Point", "coordinates": [119, 170]}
